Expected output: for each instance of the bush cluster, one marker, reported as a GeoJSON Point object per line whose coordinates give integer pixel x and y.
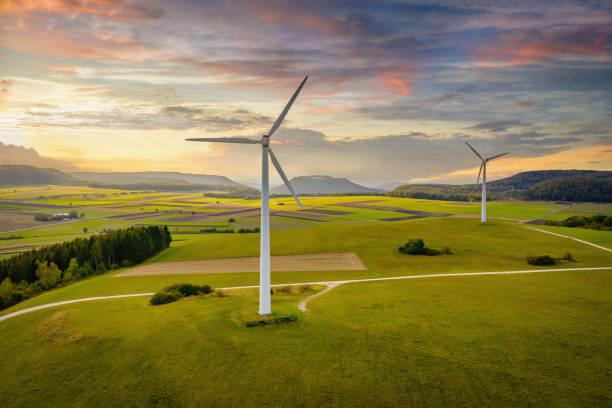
{"type": "Point", "coordinates": [248, 230]}
{"type": "Point", "coordinates": [417, 247]}
{"type": "Point", "coordinates": [179, 290]}
{"type": "Point", "coordinates": [217, 231]}
{"type": "Point", "coordinates": [543, 260]}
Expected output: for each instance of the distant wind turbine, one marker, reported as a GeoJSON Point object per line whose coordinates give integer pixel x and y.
{"type": "Point", "coordinates": [264, 254]}
{"type": "Point", "coordinates": [483, 170]}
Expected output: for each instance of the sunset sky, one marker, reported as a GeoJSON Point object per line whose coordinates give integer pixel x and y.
{"type": "Point", "coordinates": [395, 87]}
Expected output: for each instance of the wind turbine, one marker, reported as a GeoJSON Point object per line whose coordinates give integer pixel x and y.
{"type": "Point", "coordinates": [483, 170]}
{"type": "Point", "coordinates": [264, 254]}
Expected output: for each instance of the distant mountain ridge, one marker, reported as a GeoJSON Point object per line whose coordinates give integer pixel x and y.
{"type": "Point", "coordinates": [23, 175]}
{"type": "Point", "coordinates": [529, 185]}
{"type": "Point", "coordinates": [323, 185]}
{"type": "Point", "coordinates": [153, 177]}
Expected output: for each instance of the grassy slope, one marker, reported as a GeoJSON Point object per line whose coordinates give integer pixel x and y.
{"type": "Point", "coordinates": [492, 247]}
{"type": "Point", "coordinates": [530, 340]}
{"type": "Point", "coordinates": [603, 238]}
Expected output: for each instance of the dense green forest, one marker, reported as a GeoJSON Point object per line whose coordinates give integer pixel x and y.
{"type": "Point", "coordinates": [572, 189]}
{"type": "Point", "coordinates": [30, 273]}
{"type": "Point", "coordinates": [555, 185]}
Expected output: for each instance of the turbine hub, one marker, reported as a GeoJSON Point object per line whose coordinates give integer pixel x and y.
{"type": "Point", "coordinates": [265, 141]}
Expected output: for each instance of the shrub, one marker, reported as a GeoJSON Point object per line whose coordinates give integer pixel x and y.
{"type": "Point", "coordinates": [174, 292]}
{"type": "Point", "coordinates": [413, 247]}
{"type": "Point", "coordinates": [417, 247]}
{"type": "Point", "coordinates": [231, 220]}
{"type": "Point", "coordinates": [248, 230]}
{"type": "Point", "coordinates": [163, 297]}
{"type": "Point", "coordinates": [541, 260]}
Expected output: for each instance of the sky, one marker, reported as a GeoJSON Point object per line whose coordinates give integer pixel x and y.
{"type": "Point", "coordinates": [394, 88]}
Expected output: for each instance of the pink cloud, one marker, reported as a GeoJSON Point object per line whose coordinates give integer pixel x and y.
{"type": "Point", "coordinates": [524, 47]}
{"type": "Point", "coordinates": [108, 9]}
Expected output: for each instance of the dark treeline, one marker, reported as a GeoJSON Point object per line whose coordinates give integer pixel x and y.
{"type": "Point", "coordinates": [572, 189]}
{"type": "Point", "coordinates": [32, 272]}
{"type": "Point", "coordinates": [177, 187]}
{"type": "Point", "coordinates": [567, 185]}
{"type": "Point", "coordinates": [597, 222]}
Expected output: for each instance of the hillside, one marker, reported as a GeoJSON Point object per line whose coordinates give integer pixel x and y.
{"type": "Point", "coordinates": [154, 177]}
{"type": "Point", "coordinates": [572, 189]}
{"type": "Point", "coordinates": [529, 185]}
{"type": "Point", "coordinates": [322, 185]}
{"type": "Point", "coordinates": [21, 175]}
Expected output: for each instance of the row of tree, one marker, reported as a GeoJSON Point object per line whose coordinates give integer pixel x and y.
{"type": "Point", "coordinates": [31, 272]}
{"type": "Point", "coordinates": [597, 222]}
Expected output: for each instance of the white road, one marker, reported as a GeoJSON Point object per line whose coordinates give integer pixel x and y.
{"type": "Point", "coordinates": [330, 285]}
{"type": "Point", "coordinates": [575, 239]}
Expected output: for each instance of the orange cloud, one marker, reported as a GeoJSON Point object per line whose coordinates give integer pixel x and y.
{"type": "Point", "coordinates": [396, 81]}
{"type": "Point", "coordinates": [54, 43]}
{"type": "Point", "coordinates": [519, 47]}
{"type": "Point", "coordinates": [109, 9]}
{"type": "Point", "coordinates": [589, 158]}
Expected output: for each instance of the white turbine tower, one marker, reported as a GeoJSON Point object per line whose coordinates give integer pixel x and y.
{"type": "Point", "coordinates": [483, 170]}
{"type": "Point", "coordinates": [264, 254]}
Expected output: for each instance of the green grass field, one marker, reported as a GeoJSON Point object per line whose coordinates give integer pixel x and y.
{"type": "Point", "coordinates": [531, 340]}
{"type": "Point", "coordinates": [515, 340]}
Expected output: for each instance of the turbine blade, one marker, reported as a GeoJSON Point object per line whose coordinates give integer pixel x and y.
{"type": "Point", "coordinates": [224, 140]}
{"type": "Point", "coordinates": [284, 177]}
{"type": "Point", "coordinates": [474, 150]}
{"type": "Point", "coordinates": [479, 172]}
{"type": "Point", "coordinates": [495, 157]}
{"type": "Point", "coordinates": [284, 113]}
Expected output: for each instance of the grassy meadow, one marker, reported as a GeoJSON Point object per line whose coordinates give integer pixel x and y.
{"type": "Point", "coordinates": [530, 340]}
{"type": "Point", "coordinates": [518, 340]}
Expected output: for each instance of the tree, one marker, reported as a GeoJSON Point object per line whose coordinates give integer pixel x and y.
{"type": "Point", "coordinates": [49, 274]}
{"type": "Point", "coordinates": [72, 270]}
{"type": "Point", "coordinates": [85, 229]}
{"type": "Point", "coordinates": [6, 292]}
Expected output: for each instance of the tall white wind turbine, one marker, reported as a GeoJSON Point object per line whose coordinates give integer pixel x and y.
{"type": "Point", "coordinates": [483, 170]}
{"type": "Point", "coordinates": [264, 254]}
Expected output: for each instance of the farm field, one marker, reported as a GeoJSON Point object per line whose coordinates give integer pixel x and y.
{"type": "Point", "coordinates": [188, 213]}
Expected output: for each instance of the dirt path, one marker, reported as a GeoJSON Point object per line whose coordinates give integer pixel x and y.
{"type": "Point", "coordinates": [284, 263]}
{"type": "Point", "coordinates": [330, 285]}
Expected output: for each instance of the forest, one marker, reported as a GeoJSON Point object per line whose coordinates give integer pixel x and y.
{"type": "Point", "coordinates": [32, 272]}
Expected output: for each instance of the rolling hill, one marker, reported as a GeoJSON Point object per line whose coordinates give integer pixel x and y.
{"type": "Point", "coordinates": [22, 175]}
{"type": "Point", "coordinates": [323, 185]}
{"type": "Point", "coordinates": [538, 184]}
{"type": "Point", "coordinates": [154, 177]}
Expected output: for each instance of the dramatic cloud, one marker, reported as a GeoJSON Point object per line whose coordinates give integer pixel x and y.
{"type": "Point", "coordinates": [497, 126]}
{"type": "Point", "coordinates": [531, 78]}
